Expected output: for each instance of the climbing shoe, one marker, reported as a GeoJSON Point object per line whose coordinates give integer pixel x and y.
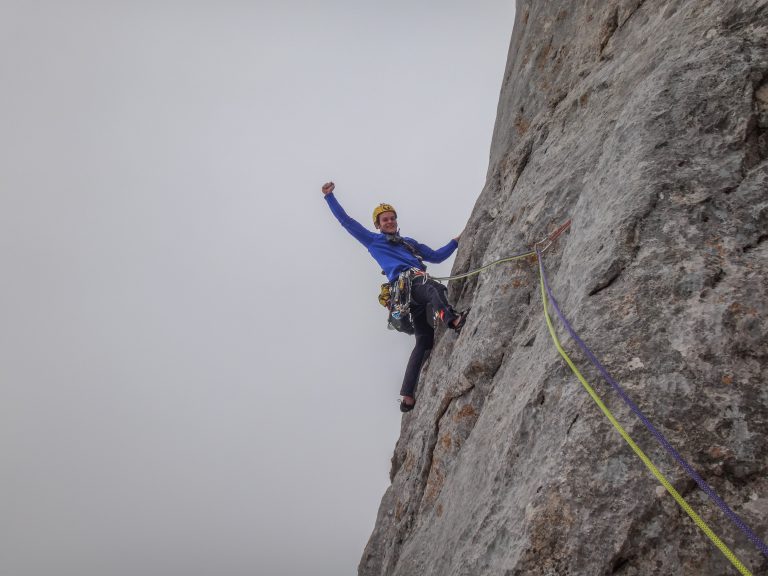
{"type": "Point", "coordinates": [462, 320]}
{"type": "Point", "coordinates": [406, 407]}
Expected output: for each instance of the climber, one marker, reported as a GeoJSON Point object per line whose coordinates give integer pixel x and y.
{"type": "Point", "coordinates": [397, 255]}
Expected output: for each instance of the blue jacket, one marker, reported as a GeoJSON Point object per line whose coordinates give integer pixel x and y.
{"type": "Point", "coordinates": [393, 258]}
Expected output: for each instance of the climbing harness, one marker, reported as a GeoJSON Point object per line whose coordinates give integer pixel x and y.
{"type": "Point", "coordinates": [399, 302]}
{"type": "Point", "coordinates": [396, 295]}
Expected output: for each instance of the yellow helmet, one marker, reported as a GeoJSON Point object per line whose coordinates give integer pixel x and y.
{"type": "Point", "coordinates": [379, 210]}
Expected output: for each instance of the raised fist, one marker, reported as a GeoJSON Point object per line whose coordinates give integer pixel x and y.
{"type": "Point", "coordinates": [328, 187]}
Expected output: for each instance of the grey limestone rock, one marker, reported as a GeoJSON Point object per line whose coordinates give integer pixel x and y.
{"type": "Point", "coordinates": [646, 123]}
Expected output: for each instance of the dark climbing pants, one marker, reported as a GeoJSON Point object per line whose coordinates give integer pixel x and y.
{"type": "Point", "coordinates": [429, 295]}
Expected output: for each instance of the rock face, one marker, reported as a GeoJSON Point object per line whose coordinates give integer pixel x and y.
{"type": "Point", "coordinates": [646, 123]}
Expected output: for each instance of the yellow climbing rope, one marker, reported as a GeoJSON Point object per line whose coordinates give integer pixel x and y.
{"type": "Point", "coordinates": [655, 471]}
{"type": "Point", "coordinates": [486, 266]}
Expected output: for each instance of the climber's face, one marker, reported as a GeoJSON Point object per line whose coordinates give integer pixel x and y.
{"type": "Point", "coordinates": [388, 222]}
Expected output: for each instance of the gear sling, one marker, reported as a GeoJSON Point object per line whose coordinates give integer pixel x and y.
{"type": "Point", "coordinates": [396, 295]}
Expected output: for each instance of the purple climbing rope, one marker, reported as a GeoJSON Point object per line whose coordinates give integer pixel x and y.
{"type": "Point", "coordinates": [659, 436]}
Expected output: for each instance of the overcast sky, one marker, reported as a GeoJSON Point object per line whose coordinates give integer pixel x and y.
{"type": "Point", "coordinates": [195, 374]}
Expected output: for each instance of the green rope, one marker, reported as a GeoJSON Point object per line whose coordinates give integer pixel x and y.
{"type": "Point", "coordinates": [547, 242]}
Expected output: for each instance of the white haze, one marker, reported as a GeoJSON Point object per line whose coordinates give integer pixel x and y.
{"type": "Point", "coordinates": [195, 375]}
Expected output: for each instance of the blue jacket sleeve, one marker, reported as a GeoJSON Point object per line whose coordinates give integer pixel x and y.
{"type": "Point", "coordinates": [435, 256]}
{"type": "Point", "coordinates": [350, 224]}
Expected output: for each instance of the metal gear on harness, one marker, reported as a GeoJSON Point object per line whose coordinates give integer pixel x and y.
{"type": "Point", "coordinates": [399, 302]}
